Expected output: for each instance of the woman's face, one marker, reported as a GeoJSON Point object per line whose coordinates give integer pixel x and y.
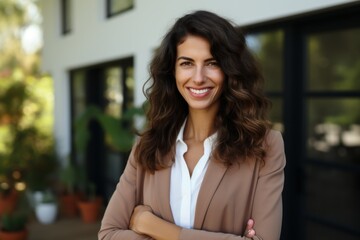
{"type": "Point", "coordinates": [198, 75]}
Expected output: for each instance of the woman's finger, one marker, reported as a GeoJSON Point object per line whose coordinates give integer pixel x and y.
{"type": "Point", "coordinates": [250, 232]}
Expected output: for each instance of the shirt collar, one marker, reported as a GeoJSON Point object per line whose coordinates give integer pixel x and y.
{"type": "Point", "coordinates": [180, 137]}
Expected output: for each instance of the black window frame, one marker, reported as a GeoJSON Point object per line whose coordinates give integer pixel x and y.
{"type": "Point", "coordinates": [296, 28]}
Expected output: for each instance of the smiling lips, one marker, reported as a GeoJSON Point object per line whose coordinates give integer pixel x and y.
{"type": "Point", "coordinates": [199, 92]}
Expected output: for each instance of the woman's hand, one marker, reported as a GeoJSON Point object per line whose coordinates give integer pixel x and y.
{"type": "Point", "coordinates": [137, 216]}
{"type": "Point", "coordinates": [250, 232]}
{"type": "Point", "coordinates": [144, 221]}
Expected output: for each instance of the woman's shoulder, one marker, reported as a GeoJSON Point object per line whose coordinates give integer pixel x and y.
{"type": "Point", "coordinates": [275, 152]}
{"type": "Point", "coordinates": [273, 137]}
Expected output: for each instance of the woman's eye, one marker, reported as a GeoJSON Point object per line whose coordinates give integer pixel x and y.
{"type": "Point", "coordinates": [185, 64]}
{"type": "Point", "coordinates": [213, 64]}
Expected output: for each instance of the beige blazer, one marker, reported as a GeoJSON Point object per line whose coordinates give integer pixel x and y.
{"type": "Point", "coordinates": [228, 197]}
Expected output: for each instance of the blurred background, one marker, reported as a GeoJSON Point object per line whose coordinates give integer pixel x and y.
{"type": "Point", "coordinates": [71, 77]}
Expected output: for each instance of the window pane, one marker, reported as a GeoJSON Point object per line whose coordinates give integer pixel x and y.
{"type": "Point", "coordinates": [114, 91]}
{"type": "Point", "coordinates": [333, 195]}
{"type": "Point", "coordinates": [276, 114]}
{"type": "Point", "coordinates": [268, 48]}
{"type": "Point", "coordinates": [334, 60]}
{"type": "Point", "coordinates": [130, 86]}
{"type": "Point", "coordinates": [334, 129]}
{"type": "Point", "coordinates": [118, 6]}
{"type": "Point", "coordinates": [79, 95]}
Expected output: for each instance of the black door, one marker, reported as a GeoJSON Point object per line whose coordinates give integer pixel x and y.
{"type": "Point", "coordinates": [110, 86]}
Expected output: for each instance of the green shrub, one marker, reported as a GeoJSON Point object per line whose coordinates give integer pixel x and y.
{"type": "Point", "coordinates": [13, 222]}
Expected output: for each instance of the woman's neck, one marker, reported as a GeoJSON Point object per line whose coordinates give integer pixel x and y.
{"type": "Point", "coordinates": [199, 126]}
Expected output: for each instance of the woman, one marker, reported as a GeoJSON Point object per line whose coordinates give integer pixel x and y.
{"type": "Point", "coordinates": [208, 166]}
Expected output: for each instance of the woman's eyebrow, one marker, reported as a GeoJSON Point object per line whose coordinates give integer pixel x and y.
{"type": "Point", "coordinates": [184, 58]}
{"type": "Point", "coordinates": [210, 59]}
{"type": "Point", "coordinates": [190, 59]}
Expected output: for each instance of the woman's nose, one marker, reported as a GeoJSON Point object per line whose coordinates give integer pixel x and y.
{"type": "Point", "coordinates": [199, 76]}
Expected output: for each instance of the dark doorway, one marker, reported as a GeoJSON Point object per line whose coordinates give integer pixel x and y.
{"type": "Point", "coordinates": [109, 86]}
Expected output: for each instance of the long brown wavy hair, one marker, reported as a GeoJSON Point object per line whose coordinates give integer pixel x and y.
{"type": "Point", "coordinates": [241, 123]}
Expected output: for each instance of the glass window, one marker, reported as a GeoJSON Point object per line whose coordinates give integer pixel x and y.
{"type": "Point", "coordinates": [114, 91]}
{"type": "Point", "coordinates": [333, 66]}
{"type": "Point", "coordinates": [268, 49]}
{"type": "Point", "coordinates": [333, 60]}
{"type": "Point", "coordinates": [276, 114]}
{"type": "Point", "coordinates": [78, 92]}
{"type": "Point", "coordinates": [334, 129]}
{"type": "Point", "coordinates": [130, 86]}
{"type": "Point", "coordinates": [109, 86]}
{"type": "Point", "coordinates": [332, 101]}
{"type": "Point", "coordinates": [118, 6]}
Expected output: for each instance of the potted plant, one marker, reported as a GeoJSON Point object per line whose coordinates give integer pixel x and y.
{"type": "Point", "coordinates": [13, 224]}
{"type": "Point", "coordinates": [120, 136]}
{"type": "Point", "coordinates": [13, 227]}
{"type": "Point", "coordinates": [90, 204]}
{"type": "Point", "coordinates": [8, 194]}
{"type": "Point", "coordinates": [46, 210]}
{"type": "Point", "coordinates": [69, 196]}
{"type": "Point", "coordinates": [40, 174]}
{"type": "Point", "coordinates": [12, 194]}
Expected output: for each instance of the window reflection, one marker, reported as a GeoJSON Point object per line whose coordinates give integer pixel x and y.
{"type": "Point", "coordinates": [333, 60]}
{"type": "Point", "coordinates": [79, 94]}
{"type": "Point", "coordinates": [268, 48]}
{"type": "Point", "coordinates": [334, 129]}
{"type": "Point", "coordinates": [130, 85]}
{"type": "Point", "coordinates": [276, 114]}
{"type": "Point", "coordinates": [114, 91]}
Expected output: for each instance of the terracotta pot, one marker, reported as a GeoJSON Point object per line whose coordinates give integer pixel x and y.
{"type": "Point", "coordinates": [21, 235]}
{"type": "Point", "coordinates": [68, 205]}
{"type": "Point", "coordinates": [90, 210]}
{"type": "Point", "coordinates": [8, 202]}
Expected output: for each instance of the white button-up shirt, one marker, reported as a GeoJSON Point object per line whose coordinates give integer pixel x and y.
{"type": "Point", "coordinates": [184, 189]}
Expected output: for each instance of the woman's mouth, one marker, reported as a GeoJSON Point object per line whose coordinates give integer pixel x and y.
{"type": "Point", "coordinates": [199, 91]}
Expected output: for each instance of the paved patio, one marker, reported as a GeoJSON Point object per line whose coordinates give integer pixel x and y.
{"type": "Point", "coordinates": [64, 229]}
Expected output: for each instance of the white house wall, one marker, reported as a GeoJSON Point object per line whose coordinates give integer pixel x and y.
{"type": "Point", "coordinates": [96, 39]}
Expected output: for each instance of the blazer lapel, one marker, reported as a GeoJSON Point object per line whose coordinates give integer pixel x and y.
{"type": "Point", "coordinates": [211, 181]}
{"type": "Point", "coordinates": [162, 186]}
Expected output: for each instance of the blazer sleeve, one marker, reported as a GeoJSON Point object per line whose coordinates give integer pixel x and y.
{"type": "Point", "coordinates": [116, 219]}
{"type": "Point", "coordinates": [267, 202]}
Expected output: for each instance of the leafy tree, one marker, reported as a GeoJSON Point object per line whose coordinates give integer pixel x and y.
{"type": "Point", "coordinates": [26, 98]}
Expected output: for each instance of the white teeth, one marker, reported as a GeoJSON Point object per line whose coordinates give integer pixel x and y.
{"type": "Point", "coordinates": [200, 91]}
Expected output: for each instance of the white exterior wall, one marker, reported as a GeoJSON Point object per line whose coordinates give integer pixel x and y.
{"type": "Point", "coordinates": [95, 39]}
